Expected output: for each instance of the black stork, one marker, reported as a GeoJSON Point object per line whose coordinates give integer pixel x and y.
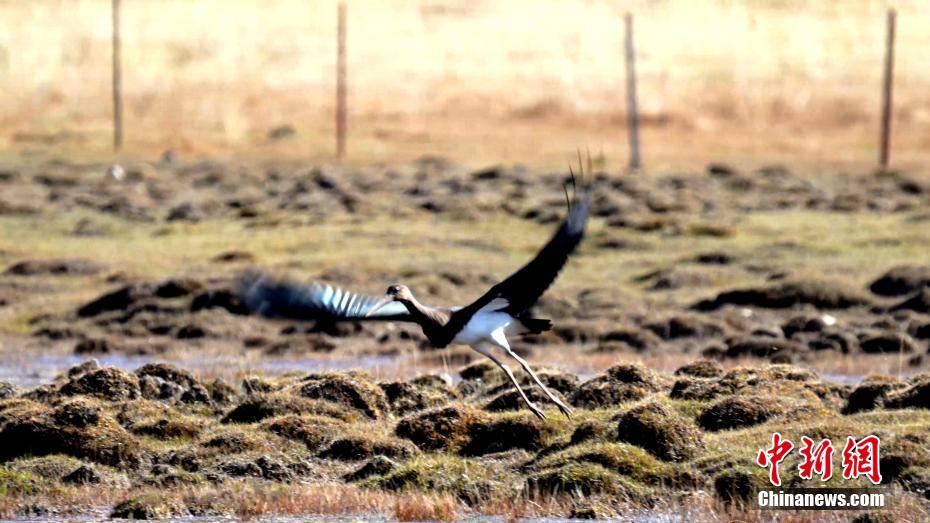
{"type": "Point", "coordinates": [483, 325]}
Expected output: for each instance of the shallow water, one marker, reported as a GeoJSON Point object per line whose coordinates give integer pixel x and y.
{"type": "Point", "coordinates": [39, 368]}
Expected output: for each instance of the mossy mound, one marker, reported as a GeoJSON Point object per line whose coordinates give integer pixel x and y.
{"type": "Point", "coordinates": [665, 434]}
{"type": "Point", "coordinates": [901, 280]}
{"type": "Point", "coordinates": [77, 428]}
{"type": "Point", "coordinates": [820, 294]}
{"type": "Point", "coordinates": [259, 407]}
{"type": "Point", "coordinates": [149, 507]}
{"type": "Point", "coordinates": [232, 441]}
{"type": "Point", "coordinates": [701, 369]}
{"type": "Point", "coordinates": [916, 395]}
{"type": "Point", "coordinates": [904, 452]}
{"type": "Point", "coordinates": [871, 393]}
{"type": "Point", "coordinates": [622, 458]}
{"type": "Point", "coordinates": [178, 427]}
{"type": "Point", "coordinates": [483, 370]}
{"type": "Point", "coordinates": [586, 479]}
{"type": "Point", "coordinates": [376, 466]}
{"type": "Point", "coordinates": [739, 411]}
{"type": "Point", "coordinates": [506, 433]}
{"type": "Point", "coordinates": [591, 430]}
{"type": "Point", "coordinates": [168, 373]}
{"type": "Point", "coordinates": [779, 381]}
{"type": "Point", "coordinates": [620, 384]}
{"type": "Point", "coordinates": [108, 383]}
{"type": "Point", "coordinates": [311, 430]}
{"type": "Point", "coordinates": [443, 428]}
{"type": "Point", "coordinates": [354, 448]}
{"type": "Point", "coordinates": [511, 400]}
{"type": "Point", "coordinates": [468, 480]}
{"type": "Point", "coordinates": [406, 397]}
{"type": "Point", "coordinates": [738, 485]}
{"type": "Point", "coordinates": [351, 390]}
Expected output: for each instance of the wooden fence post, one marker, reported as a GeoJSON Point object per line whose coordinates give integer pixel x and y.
{"type": "Point", "coordinates": [341, 110]}
{"type": "Point", "coordinates": [117, 80]}
{"type": "Point", "coordinates": [887, 85]}
{"type": "Point", "coordinates": [631, 106]}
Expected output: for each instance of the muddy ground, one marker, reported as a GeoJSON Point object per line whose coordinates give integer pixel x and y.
{"type": "Point", "coordinates": [740, 269]}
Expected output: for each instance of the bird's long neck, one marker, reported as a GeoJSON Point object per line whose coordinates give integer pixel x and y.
{"type": "Point", "coordinates": [427, 317]}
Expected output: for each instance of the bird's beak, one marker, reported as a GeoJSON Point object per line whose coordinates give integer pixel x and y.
{"type": "Point", "coordinates": [384, 301]}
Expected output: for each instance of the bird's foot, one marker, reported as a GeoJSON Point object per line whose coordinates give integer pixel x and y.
{"type": "Point", "coordinates": [535, 410]}
{"type": "Point", "coordinates": [564, 409]}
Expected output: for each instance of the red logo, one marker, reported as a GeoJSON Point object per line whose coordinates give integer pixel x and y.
{"type": "Point", "coordinates": [819, 460]}
{"type": "Point", "coordinates": [772, 457]}
{"type": "Point", "coordinates": [860, 458]}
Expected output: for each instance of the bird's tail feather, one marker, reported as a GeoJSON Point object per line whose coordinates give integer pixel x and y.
{"type": "Point", "coordinates": [535, 325]}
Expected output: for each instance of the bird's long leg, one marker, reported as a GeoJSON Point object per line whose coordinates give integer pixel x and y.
{"type": "Point", "coordinates": [482, 348]}
{"type": "Point", "coordinates": [565, 409]}
{"type": "Point", "coordinates": [501, 341]}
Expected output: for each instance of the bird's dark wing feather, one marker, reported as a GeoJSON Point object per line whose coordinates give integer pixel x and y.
{"type": "Point", "coordinates": [280, 299]}
{"type": "Point", "coordinates": [524, 287]}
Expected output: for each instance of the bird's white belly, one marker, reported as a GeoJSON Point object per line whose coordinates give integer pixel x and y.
{"type": "Point", "coordinates": [480, 327]}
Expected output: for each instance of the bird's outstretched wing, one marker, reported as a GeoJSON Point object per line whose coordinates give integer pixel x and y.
{"type": "Point", "coordinates": [273, 298]}
{"type": "Point", "coordinates": [524, 287]}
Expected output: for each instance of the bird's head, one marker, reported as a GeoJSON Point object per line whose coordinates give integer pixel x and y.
{"type": "Point", "coordinates": [399, 292]}
{"type": "Point", "coordinates": [395, 292]}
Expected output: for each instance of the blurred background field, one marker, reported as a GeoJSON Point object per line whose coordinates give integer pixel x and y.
{"type": "Point", "coordinates": [749, 81]}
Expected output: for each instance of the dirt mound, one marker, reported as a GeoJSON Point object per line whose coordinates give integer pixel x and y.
{"type": "Point", "coordinates": [83, 475]}
{"type": "Point", "coordinates": [701, 369]}
{"type": "Point", "coordinates": [901, 280]}
{"type": "Point", "coordinates": [77, 428]}
{"type": "Point", "coordinates": [919, 302]}
{"type": "Point", "coordinates": [481, 371]}
{"type": "Point", "coordinates": [406, 397]}
{"type": "Point", "coordinates": [510, 400]}
{"type": "Point", "coordinates": [311, 430]}
{"type": "Point", "coordinates": [665, 434]}
{"type": "Point", "coordinates": [74, 267]}
{"type": "Point", "coordinates": [737, 412]}
{"type": "Point", "coordinates": [678, 327]}
{"type": "Point", "coordinates": [635, 337]}
{"type": "Point", "coordinates": [737, 486]}
{"type": "Point", "coordinates": [820, 294]}
{"type": "Point", "coordinates": [225, 299]}
{"type": "Point", "coordinates": [168, 373]}
{"type": "Point", "coordinates": [357, 448]}
{"type": "Point", "coordinates": [260, 407]}
{"type": "Point", "coordinates": [871, 393]}
{"type": "Point", "coordinates": [774, 349]}
{"type": "Point", "coordinates": [887, 342]}
{"type": "Point", "coordinates": [620, 384]}
{"type": "Point", "coordinates": [444, 428]}
{"type": "Point", "coordinates": [350, 390]}
{"type": "Point", "coordinates": [120, 299]}
{"type": "Point", "coordinates": [502, 434]}
{"type": "Point", "coordinates": [586, 479]}
{"type": "Point", "coordinates": [916, 395]}
{"type": "Point", "coordinates": [376, 466]}
{"type": "Point", "coordinates": [107, 383]}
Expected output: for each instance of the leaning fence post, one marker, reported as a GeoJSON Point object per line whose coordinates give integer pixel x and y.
{"type": "Point", "coordinates": [631, 107]}
{"type": "Point", "coordinates": [341, 124]}
{"type": "Point", "coordinates": [887, 86]}
{"type": "Point", "coordinates": [117, 80]}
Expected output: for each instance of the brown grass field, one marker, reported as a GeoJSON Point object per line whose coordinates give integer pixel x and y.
{"type": "Point", "coordinates": [752, 81]}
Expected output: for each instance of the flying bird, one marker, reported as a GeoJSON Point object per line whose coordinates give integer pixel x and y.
{"type": "Point", "coordinates": [484, 324]}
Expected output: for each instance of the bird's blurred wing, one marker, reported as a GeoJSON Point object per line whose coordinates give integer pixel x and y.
{"type": "Point", "coordinates": [317, 301]}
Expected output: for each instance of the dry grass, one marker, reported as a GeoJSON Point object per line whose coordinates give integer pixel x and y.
{"type": "Point", "coordinates": [749, 80]}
